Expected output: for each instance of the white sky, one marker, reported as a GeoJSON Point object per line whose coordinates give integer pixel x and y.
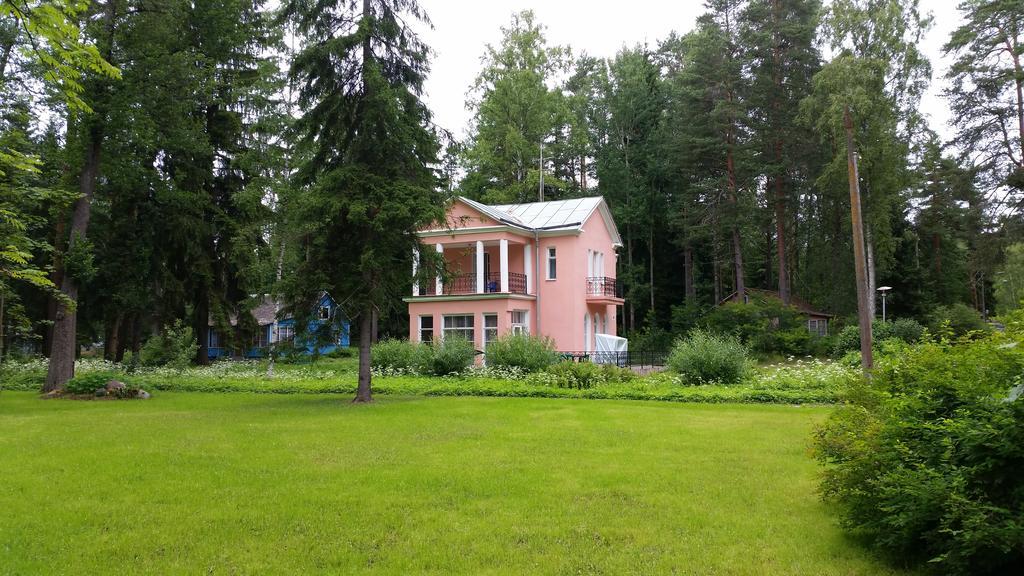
{"type": "Point", "coordinates": [600, 28]}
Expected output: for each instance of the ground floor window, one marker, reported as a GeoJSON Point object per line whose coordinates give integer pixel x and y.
{"type": "Point", "coordinates": [490, 329]}
{"type": "Point", "coordinates": [817, 326]}
{"type": "Point", "coordinates": [285, 333]}
{"type": "Point", "coordinates": [426, 329]}
{"type": "Point", "coordinates": [259, 340]}
{"type": "Point", "coordinates": [460, 326]}
{"type": "Point", "coordinates": [520, 322]}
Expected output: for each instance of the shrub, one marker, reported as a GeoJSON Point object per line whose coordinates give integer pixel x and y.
{"type": "Point", "coordinates": [579, 375]}
{"type": "Point", "coordinates": [956, 320]}
{"type": "Point", "coordinates": [905, 329]}
{"type": "Point", "coordinates": [450, 356]}
{"type": "Point", "coordinates": [529, 353]}
{"type": "Point", "coordinates": [174, 347]}
{"type": "Point", "coordinates": [341, 352]}
{"type": "Point", "coordinates": [767, 327]}
{"type": "Point", "coordinates": [394, 354]}
{"type": "Point", "coordinates": [89, 382]}
{"type": "Point", "coordinates": [705, 357]}
{"type": "Point", "coordinates": [925, 460]}
{"type": "Point", "coordinates": [908, 330]}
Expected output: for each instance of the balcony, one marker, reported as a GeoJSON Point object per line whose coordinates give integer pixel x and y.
{"type": "Point", "coordinates": [604, 290]}
{"type": "Point", "coordinates": [465, 284]}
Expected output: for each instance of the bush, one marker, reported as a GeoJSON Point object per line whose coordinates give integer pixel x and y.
{"type": "Point", "coordinates": [578, 375]}
{"type": "Point", "coordinates": [956, 320]}
{"type": "Point", "coordinates": [704, 357]}
{"type": "Point", "coordinates": [767, 327]}
{"type": "Point", "coordinates": [905, 329]}
{"type": "Point", "coordinates": [925, 461]}
{"type": "Point", "coordinates": [394, 354]}
{"type": "Point", "coordinates": [341, 352]}
{"type": "Point", "coordinates": [450, 356]}
{"type": "Point", "coordinates": [174, 347]}
{"type": "Point", "coordinates": [89, 382]}
{"type": "Point", "coordinates": [529, 353]}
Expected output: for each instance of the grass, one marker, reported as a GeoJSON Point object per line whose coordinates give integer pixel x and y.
{"type": "Point", "coordinates": [795, 383]}
{"type": "Point", "coordinates": [248, 483]}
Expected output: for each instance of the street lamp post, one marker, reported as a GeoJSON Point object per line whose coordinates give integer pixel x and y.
{"type": "Point", "coordinates": [884, 290]}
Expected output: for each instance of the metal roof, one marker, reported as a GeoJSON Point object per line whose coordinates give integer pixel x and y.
{"type": "Point", "coordinates": [555, 214]}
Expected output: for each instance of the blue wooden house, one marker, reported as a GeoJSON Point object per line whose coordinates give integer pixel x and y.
{"type": "Point", "coordinates": [327, 331]}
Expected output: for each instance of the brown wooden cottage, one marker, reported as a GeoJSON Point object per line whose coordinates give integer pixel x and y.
{"type": "Point", "coordinates": [817, 321]}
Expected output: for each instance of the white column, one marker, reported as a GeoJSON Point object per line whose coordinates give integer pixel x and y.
{"type": "Point", "coordinates": [415, 269]}
{"type": "Point", "coordinates": [528, 266]}
{"type": "Point", "coordinates": [503, 263]}
{"type": "Point", "coordinates": [440, 282]}
{"type": "Point", "coordinates": [479, 267]}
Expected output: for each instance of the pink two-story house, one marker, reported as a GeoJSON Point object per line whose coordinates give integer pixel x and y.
{"type": "Point", "coordinates": [543, 268]}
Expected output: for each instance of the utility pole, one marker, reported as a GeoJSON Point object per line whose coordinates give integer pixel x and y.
{"type": "Point", "coordinates": [863, 306]}
{"type": "Point", "coordinates": [540, 192]}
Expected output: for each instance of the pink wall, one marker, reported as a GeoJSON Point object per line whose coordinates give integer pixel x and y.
{"type": "Point", "coordinates": [563, 302]}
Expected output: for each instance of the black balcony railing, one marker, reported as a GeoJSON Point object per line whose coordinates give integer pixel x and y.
{"type": "Point", "coordinates": [466, 284]}
{"type": "Point", "coordinates": [604, 286]}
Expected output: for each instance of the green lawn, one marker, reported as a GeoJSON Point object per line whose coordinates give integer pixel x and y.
{"type": "Point", "coordinates": [248, 483]}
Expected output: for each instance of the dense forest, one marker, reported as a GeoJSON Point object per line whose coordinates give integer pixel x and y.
{"type": "Point", "coordinates": [165, 161]}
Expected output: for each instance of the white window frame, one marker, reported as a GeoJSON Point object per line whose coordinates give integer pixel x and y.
{"type": "Point", "coordinates": [325, 313]}
{"type": "Point", "coordinates": [490, 329]}
{"type": "Point", "coordinates": [471, 329]}
{"type": "Point", "coordinates": [552, 263]}
{"type": "Point", "coordinates": [523, 324]}
{"type": "Point", "coordinates": [420, 329]}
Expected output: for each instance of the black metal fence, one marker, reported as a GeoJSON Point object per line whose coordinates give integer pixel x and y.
{"type": "Point", "coordinates": [604, 286]}
{"type": "Point", "coordinates": [628, 359]}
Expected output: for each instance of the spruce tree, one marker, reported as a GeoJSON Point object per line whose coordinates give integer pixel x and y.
{"type": "Point", "coordinates": [369, 182]}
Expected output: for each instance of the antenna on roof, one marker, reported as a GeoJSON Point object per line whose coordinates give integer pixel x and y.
{"type": "Point", "coordinates": [540, 192]}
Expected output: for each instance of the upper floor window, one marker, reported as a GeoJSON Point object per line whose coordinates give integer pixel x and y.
{"type": "Point", "coordinates": [552, 264]}
{"type": "Point", "coordinates": [325, 312]}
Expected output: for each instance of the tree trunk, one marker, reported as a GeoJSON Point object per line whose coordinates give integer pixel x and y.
{"type": "Point", "coordinates": [650, 263]}
{"type": "Point", "coordinates": [859, 264]}
{"type": "Point", "coordinates": [780, 240]}
{"type": "Point", "coordinates": [689, 288]}
{"type": "Point", "coordinates": [113, 340]}
{"type": "Point", "coordinates": [127, 332]}
{"type": "Point", "coordinates": [62, 355]}
{"type": "Point", "coordinates": [65, 325]}
{"type": "Point", "coordinates": [629, 260]}
{"type": "Point", "coordinates": [872, 283]}
{"type": "Point", "coordinates": [777, 179]}
{"type": "Point", "coordinates": [365, 337]}
{"type": "Point", "coordinates": [201, 324]}
{"type": "Point", "coordinates": [737, 241]}
{"type": "Point", "coordinates": [57, 277]}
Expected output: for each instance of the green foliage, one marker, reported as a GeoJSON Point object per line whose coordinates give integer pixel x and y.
{"type": "Point", "coordinates": [905, 329]}
{"type": "Point", "coordinates": [515, 111]}
{"type": "Point", "coordinates": [341, 352]}
{"type": "Point", "coordinates": [528, 352]}
{"type": "Point", "coordinates": [704, 357]}
{"type": "Point", "coordinates": [449, 356]}
{"type": "Point", "coordinates": [956, 320]}
{"type": "Point", "coordinates": [925, 461]}
{"type": "Point", "coordinates": [1009, 281]}
{"type": "Point", "coordinates": [394, 354]}
{"type": "Point", "coordinates": [766, 326]}
{"type": "Point", "coordinates": [587, 375]}
{"type": "Point", "coordinates": [89, 382]}
{"type": "Point", "coordinates": [56, 44]}
{"type": "Point", "coordinates": [174, 347]}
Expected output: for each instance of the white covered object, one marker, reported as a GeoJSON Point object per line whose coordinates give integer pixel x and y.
{"type": "Point", "coordinates": [609, 349]}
